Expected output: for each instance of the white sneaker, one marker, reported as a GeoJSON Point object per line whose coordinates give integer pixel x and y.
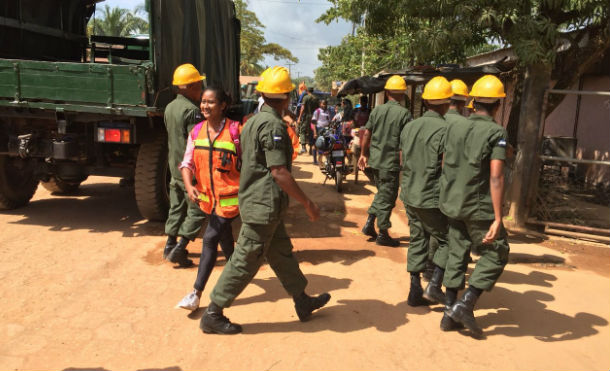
{"type": "Point", "coordinates": [189, 302]}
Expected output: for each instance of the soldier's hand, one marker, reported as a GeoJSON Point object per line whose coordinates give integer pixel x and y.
{"type": "Point", "coordinates": [363, 163]}
{"type": "Point", "coordinates": [193, 194]}
{"type": "Point", "coordinates": [493, 231]}
{"type": "Point", "coordinates": [313, 211]}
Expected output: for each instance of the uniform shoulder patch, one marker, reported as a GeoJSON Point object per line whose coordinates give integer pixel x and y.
{"type": "Point", "coordinates": [501, 143]}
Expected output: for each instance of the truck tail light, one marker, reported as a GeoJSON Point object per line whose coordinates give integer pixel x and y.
{"type": "Point", "coordinates": [111, 135]}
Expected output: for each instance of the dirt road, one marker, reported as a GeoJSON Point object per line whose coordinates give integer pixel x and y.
{"type": "Point", "coordinates": [84, 287]}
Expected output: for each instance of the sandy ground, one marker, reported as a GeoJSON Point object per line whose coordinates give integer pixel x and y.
{"type": "Point", "coordinates": [84, 287]}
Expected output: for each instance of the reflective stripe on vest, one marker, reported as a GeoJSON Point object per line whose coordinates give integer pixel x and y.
{"type": "Point", "coordinates": [205, 144]}
{"type": "Point", "coordinates": [204, 197]}
{"type": "Point", "coordinates": [233, 201]}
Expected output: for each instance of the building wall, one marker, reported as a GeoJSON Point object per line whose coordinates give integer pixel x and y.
{"type": "Point", "coordinates": [593, 121]}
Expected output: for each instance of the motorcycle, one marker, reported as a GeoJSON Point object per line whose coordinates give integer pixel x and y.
{"type": "Point", "coordinates": [335, 152]}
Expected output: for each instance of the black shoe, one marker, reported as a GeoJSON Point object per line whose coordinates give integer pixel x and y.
{"type": "Point", "coordinates": [179, 254]}
{"type": "Point", "coordinates": [305, 304]}
{"type": "Point", "coordinates": [447, 324]}
{"type": "Point", "coordinates": [416, 292]}
{"type": "Point", "coordinates": [369, 227]}
{"type": "Point", "coordinates": [214, 322]}
{"type": "Point", "coordinates": [384, 239]}
{"type": "Point", "coordinates": [433, 291]}
{"type": "Point", "coordinates": [169, 246]}
{"type": "Point", "coordinates": [463, 312]}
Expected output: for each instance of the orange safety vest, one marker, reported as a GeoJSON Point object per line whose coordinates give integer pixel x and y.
{"type": "Point", "coordinates": [294, 138]}
{"type": "Point", "coordinates": [216, 172]}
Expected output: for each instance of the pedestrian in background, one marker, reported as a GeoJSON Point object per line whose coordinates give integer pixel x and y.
{"type": "Point", "coordinates": [184, 218]}
{"type": "Point", "coordinates": [382, 141]}
{"type": "Point", "coordinates": [310, 104]}
{"type": "Point", "coordinates": [212, 157]}
{"type": "Point", "coordinates": [320, 121]}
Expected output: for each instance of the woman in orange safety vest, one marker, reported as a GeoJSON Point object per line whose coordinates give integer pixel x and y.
{"type": "Point", "coordinates": [212, 157]}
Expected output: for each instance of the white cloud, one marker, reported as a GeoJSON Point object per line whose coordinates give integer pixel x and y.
{"type": "Point", "coordinates": [291, 23]}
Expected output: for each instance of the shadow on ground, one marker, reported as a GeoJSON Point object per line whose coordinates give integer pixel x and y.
{"type": "Point", "coordinates": [345, 316]}
{"type": "Point", "coordinates": [526, 314]}
{"type": "Point", "coordinates": [97, 207]}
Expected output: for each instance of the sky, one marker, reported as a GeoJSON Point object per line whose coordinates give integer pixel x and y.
{"type": "Point", "coordinates": [290, 23]}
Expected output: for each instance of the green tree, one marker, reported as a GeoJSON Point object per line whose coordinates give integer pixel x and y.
{"type": "Point", "coordinates": [536, 30]}
{"type": "Point", "coordinates": [253, 45]}
{"type": "Point", "coordinates": [117, 22]}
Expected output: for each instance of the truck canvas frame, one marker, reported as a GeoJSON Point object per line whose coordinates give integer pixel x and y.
{"type": "Point", "coordinates": [73, 105]}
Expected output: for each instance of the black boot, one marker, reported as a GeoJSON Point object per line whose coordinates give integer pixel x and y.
{"type": "Point", "coordinates": [433, 291]}
{"type": "Point", "coordinates": [447, 324]}
{"type": "Point", "coordinates": [179, 254]}
{"type": "Point", "coordinates": [384, 239]}
{"type": "Point", "coordinates": [416, 292]}
{"type": "Point", "coordinates": [214, 322]}
{"type": "Point", "coordinates": [169, 246]}
{"type": "Point", "coordinates": [305, 304]}
{"type": "Point", "coordinates": [369, 227]}
{"type": "Point", "coordinates": [463, 311]}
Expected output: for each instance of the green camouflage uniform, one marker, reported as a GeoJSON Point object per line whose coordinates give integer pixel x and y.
{"type": "Point", "coordinates": [185, 218]}
{"type": "Point", "coordinates": [262, 203]}
{"type": "Point", "coordinates": [385, 124]}
{"type": "Point", "coordinates": [466, 199]}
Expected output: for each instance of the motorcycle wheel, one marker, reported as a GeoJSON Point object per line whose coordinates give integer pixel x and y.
{"type": "Point", "coordinates": [339, 181]}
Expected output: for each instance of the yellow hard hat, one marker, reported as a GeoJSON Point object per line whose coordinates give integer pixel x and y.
{"type": "Point", "coordinates": [186, 74]}
{"type": "Point", "coordinates": [261, 82]}
{"type": "Point", "coordinates": [437, 90]}
{"type": "Point", "coordinates": [275, 80]}
{"type": "Point", "coordinates": [460, 90]}
{"type": "Point", "coordinates": [488, 89]}
{"type": "Point", "coordinates": [470, 105]}
{"type": "Point", "coordinates": [396, 83]}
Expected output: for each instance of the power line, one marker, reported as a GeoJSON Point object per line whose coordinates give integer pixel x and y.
{"type": "Point", "coordinates": [293, 3]}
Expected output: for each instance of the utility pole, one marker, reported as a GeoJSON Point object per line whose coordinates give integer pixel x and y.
{"type": "Point", "coordinates": [363, 45]}
{"type": "Point", "coordinates": [290, 67]}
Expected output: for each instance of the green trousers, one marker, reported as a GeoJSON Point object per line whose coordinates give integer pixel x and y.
{"type": "Point", "coordinates": [185, 218]}
{"type": "Point", "coordinates": [387, 183]}
{"type": "Point", "coordinates": [424, 223]}
{"type": "Point", "coordinates": [305, 129]}
{"type": "Point", "coordinates": [464, 235]}
{"type": "Point", "coordinates": [256, 243]}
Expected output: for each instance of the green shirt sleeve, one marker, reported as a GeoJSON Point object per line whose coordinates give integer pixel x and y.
{"type": "Point", "coordinates": [274, 139]}
{"type": "Point", "coordinates": [191, 118]}
{"type": "Point", "coordinates": [369, 124]}
{"type": "Point", "coordinates": [498, 144]}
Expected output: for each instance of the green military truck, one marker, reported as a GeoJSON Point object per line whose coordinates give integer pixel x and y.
{"type": "Point", "coordinates": [73, 105]}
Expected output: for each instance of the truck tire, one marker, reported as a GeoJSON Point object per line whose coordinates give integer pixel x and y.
{"type": "Point", "coordinates": [17, 182]}
{"type": "Point", "coordinates": [58, 186]}
{"type": "Point", "coordinates": [152, 179]}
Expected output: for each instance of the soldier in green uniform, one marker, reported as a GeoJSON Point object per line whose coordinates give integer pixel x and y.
{"type": "Point", "coordinates": [310, 104]}
{"type": "Point", "coordinates": [264, 187]}
{"type": "Point", "coordinates": [458, 101]}
{"type": "Point", "coordinates": [382, 141]}
{"type": "Point", "coordinates": [184, 218]}
{"type": "Point", "coordinates": [421, 143]}
{"type": "Point", "coordinates": [472, 186]}
{"type": "Point", "coordinates": [456, 106]}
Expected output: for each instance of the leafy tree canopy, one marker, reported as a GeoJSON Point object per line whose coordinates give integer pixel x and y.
{"type": "Point", "coordinates": [253, 45]}
{"type": "Point", "coordinates": [117, 22]}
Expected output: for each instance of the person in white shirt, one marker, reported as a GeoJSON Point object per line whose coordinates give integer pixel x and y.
{"type": "Point", "coordinates": [320, 120]}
